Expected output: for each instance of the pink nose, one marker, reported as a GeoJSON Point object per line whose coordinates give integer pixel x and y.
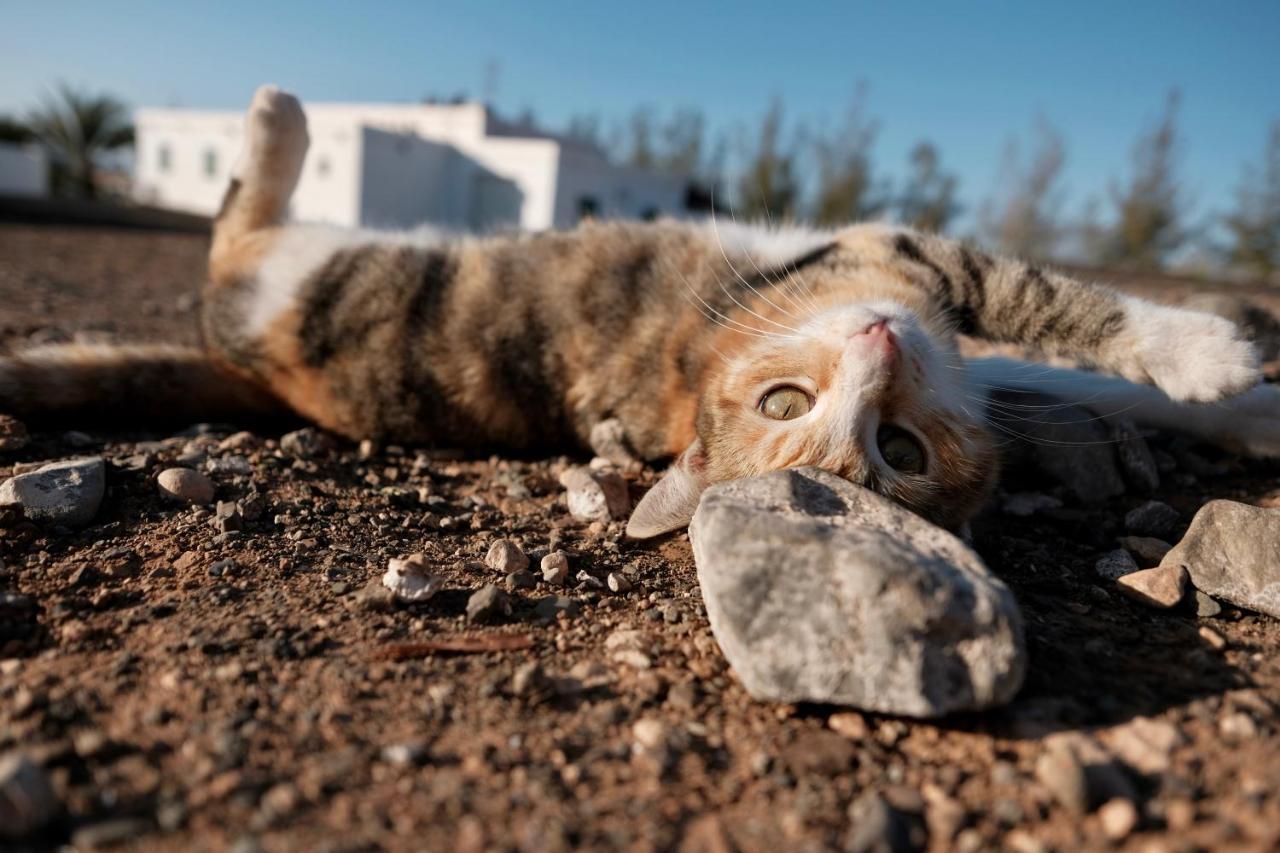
{"type": "Point", "coordinates": [880, 337]}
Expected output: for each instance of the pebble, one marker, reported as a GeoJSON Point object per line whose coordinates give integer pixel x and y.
{"type": "Point", "coordinates": [875, 825]}
{"type": "Point", "coordinates": [13, 434]}
{"type": "Point", "coordinates": [1230, 553]}
{"type": "Point", "coordinates": [1237, 727]}
{"type": "Point", "coordinates": [410, 579]}
{"type": "Point", "coordinates": [1137, 465]}
{"type": "Point", "coordinates": [589, 581]}
{"type": "Point", "coordinates": [530, 682]}
{"type": "Point", "coordinates": [1206, 605]}
{"type": "Point", "coordinates": [608, 438]}
{"type": "Point", "coordinates": [553, 605]}
{"type": "Point", "coordinates": [555, 568]}
{"type": "Point", "coordinates": [790, 564]}
{"type": "Point", "coordinates": [374, 597]}
{"type": "Point", "coordinates": [185, 485]}
{"type": "Point", "coordinates": [618, 583]}
{"type": "Point", "coordinates": [520, 579]}
{"type": "Point", "coordinates": [1216, 641]}
{"type": "Point", "coordinates": [1119, 817]}
{"type": "Point", "coordinates": [650, 735]}
{"type": "Point", "coordinates": [67, 493]}
{"type": "Point", "coordinates": [596, 495]}
{"type": "Point", "coordinates": [109, 833]}
{"type": "Point", "coordinates": [1114, 565]}
{"type": "Point", "coordinates": [1155, 519]}
{"type": "Point", "coordinates": [27, 801]}
{"type": "Point", "coordinates": [404, 754]}
{"type": "Point", "coordinates": [227, 517]}
{"type": "Point", "coordinates": [1062, 774]}
{"type": "Point", "coordinates": [1145, 744]}
{"type": "Point", "coordinates": [489, 604]}
{"type": "Point", "coordinates": [505, 556]}
{"type": "Point", "coordinates": [1162, 587]}
{"type": "Point", "coordinates": [303, 443]}
{"type": "Point", "coordinates": [850, 724]}
{"type": "Point", "coordinates": [1146, 549]}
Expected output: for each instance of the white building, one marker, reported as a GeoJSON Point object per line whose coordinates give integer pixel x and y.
{"type": "Point", "coordinates": [24, 170]}
{"type": "Point", "coordinates": [389, 165]}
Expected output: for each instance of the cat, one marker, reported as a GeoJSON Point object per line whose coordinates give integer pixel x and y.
{"type": "Point", "coordinates": [732, 350]}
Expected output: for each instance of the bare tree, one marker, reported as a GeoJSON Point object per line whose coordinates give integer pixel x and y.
{"type": "Point", "coordinates": [769, 188]}
{"type": "Point", "coordinates": [928, 201]}
{"type": "Point", "coordinates": [1255, 224]}
{"type": "Point", "coordinates": [1151, 207]}
{"type": "Point", "coordinates": [639, 134]}
{"type": "Point", "coordinates": [78, 128]}
{"type": "Point", "coordinates": [1022, 218]}
{"type": "Point", "coordinates": [847, 190]}
{"type": "Point", "coordinates": [682, 142]}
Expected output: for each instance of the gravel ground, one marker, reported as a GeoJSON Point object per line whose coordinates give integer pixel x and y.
{"type": "Point", "coordinates": [189, 678]}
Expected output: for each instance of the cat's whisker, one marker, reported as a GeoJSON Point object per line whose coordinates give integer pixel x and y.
{"type": "Point", "coordinates": [779, 286]}
{"type": "Point", "coordinates": [720, 245]}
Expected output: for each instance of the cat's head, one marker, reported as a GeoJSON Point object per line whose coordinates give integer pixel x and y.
{"type": "Point", "coordinates": [865, 391]}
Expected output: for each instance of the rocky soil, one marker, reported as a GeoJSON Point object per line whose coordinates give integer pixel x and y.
{"type": "Point", "coordinates": [213, 661]}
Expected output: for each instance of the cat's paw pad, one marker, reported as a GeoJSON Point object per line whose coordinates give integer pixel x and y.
{"type": "Point", "coordinates": [1192, 356]}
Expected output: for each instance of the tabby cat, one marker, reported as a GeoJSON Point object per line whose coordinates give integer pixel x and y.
{"type": "Point", "coordinates": [733, 350]}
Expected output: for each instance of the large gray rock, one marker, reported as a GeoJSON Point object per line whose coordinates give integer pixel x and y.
{"type": "Point", "coordinates": [1232, 552]}
{"type": "Point", "coordinates": [822, 591]}
{"type": "Point", "coordinates": [66, 493]}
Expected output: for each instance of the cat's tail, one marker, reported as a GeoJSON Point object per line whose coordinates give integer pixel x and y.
{"type": "Point", "coordinates": [84, 385]}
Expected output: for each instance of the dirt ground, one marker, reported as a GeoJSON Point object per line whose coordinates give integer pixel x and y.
{"type": "Point", "coordinates": [193, 689]}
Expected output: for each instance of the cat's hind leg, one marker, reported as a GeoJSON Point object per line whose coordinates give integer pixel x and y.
{"type": "Point", "coordinates": [1247, 423]}
{"type": "Point", "coordinates": [264, 179]}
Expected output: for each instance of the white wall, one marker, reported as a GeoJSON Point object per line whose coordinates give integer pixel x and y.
{"type": "Point", "coordinates": [24, 170]}
{"type": "Point", "coordinates": [618, 192]}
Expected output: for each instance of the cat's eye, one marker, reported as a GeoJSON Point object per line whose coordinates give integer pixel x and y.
{"type": "Point", "coordinates": [785, 403]}
{"type": "Point", "coordinates": [901, 450]}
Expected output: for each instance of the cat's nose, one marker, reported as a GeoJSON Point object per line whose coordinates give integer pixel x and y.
{"type": "Point", "coordinates": [878, 337]}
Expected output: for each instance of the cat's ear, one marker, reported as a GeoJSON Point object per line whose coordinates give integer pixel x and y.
{"type": "Point", "coordinates": [670, 504]}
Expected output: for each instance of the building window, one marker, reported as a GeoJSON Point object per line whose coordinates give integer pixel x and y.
{"type": "Point", "coordinates": [588, 208]}
{"type": "Point", "coordinates": [164, 158]}
{"type": "Point", "coordinates": [322, 167]}
{"type": "Point", "coordinates": [210, 163]}
{"type": "Point", "coordinates": [649, 214]}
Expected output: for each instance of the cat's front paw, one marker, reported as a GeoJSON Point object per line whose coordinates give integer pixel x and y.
{"type": "Point", "coordinates": [1192, 356]}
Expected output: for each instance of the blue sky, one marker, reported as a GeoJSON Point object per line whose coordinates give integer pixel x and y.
{"type": "Point", "coordinates": [966, 75]}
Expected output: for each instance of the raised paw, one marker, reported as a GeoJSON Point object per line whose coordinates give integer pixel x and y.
{"type": "Point", "coordinates": [1192, 356]}
{"type": "Point", "coordinates": [275, 135]}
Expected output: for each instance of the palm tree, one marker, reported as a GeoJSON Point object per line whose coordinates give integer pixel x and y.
{"type": "Point", "coordinates": [78, 127]}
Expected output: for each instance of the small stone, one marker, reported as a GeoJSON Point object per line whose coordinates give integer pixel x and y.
{"type": "Point", "coordinates": [66, 493]}
{"type": "Point", "coordinates": [553, 605]}
{"type": "Point", "coordinates": [1162, 587]}
{"type": "Point", "coordinates": [650, 735]}
{"type": "Point", "coordinates": [366, 450]}
{"type": "Point", "coordinates": [849, 724]}
{"type": "Point", "coordinates": [589, 581]}
{"type": "Point", "coordinates": [555, 568]}
{"type": "Point", "coordinates": [520, 579]}
{"type": "Point", "coordinates": [227, 517]}
{"type": "Point", "coordinates": [596, 495]}
{"type": "Point", "coordinates": [1147, 550]}
{"type": "Point", "coordinates": [1062, 774]}
{"type": "Point", "coordinates": [281, 799]}
{"type": "Point", "coordinates": [1027, 504]}
{"type": "Point", "coordinates": [617, 583]}
{"type": "Point", "coordinates": [27, 801]}
{"type": "Point", "coordinates": [1216, 641]}
{"type": "Point", "coordinates": [609, 439]}
{"type": "Point", "coordinates": [505, 556]}
{"type": "Point", "coordinates": [1118, 818]}
{"type": "Point", "coordinates": [1230, 551]}
{"type": "Point", "coordinates": [489, 604]}
{"type": "Point", "coordinates": [13, 434]}
{"type": "Point", "coordinates": [1114, 565]}
{"type": "Point", "coordinates": [410, 579]}
{"type": "Point", "coordinates": [404, 754]}
{"type": "Point", "coordinates": [374, 597]}
{"type": "Point", "coordinates": [1155, 519]}
{"type": "Point", "coordinates": [822, 752]}
{"type": "Point", "coordinates": [185, 485]}
{"type": "Point", "coordinates": [1206, 606]}
{"type": "Point", "coordinates": [303, 443]}
{"type": "Point", "coordinates": [1145, 744]}
{"type": "Point", "coordinates": [875, 826]}
{"type": "Point", "coordinates": [530, 682]}
{"type": "Point", "coordinates": [793, 566]}
{"type": "Point", "coordinates": [1238, 727]}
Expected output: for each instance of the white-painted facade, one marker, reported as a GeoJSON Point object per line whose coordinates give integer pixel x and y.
{"type": "Point", "coordinates": [451, 165]}
{"type": "Point", "coordinates": [24, 170]}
